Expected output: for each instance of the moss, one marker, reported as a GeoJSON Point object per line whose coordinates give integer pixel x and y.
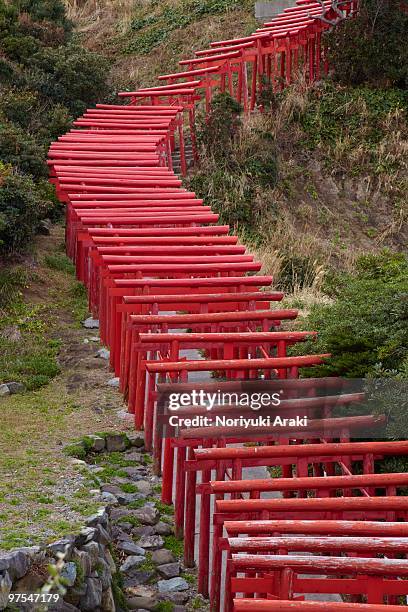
{"type": "Point", "coordinates": [176, 546]}
{"type": "Point", "coordinates": [164, 508]}
{"type": "Point", "coordinates": [76, 450]}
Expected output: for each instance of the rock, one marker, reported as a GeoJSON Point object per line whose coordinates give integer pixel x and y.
{"type": "Point", "coordinates": [137, 577]}
{"type": "Point", "coordinates": [144, 487]}
{"type": "Point", "coordinates": [132, 472]}
{"type": "Point", "coordinates": [5, 588]}
{"type": "Point", "coordinates": [119, 535]}
{"type": "Point", "coordinates": [69, 573]}
{"type": "Point", "coordinates": [99, 518]}
{"type": "Point", "coordinates": [144, 602]}
{"type": "Point", "coordinates": [127, 527]}
{"type": "Point", "coordinates": [178, 598]}
{"type": "Point", "coordinates": [136, 439]}
{"type": "Point", "coordinates": [16, 563]}
{"type": "Point", "coordinates": [131, 563]}
{"type": "Point", "coordinates": [87, 534]}
{"type": "Point", "coordinates": [44, 227]}
{"type": "Point", "coordinates": [116, 442]}
{"type": "Point", "coordinates": [151, 542]}
{"type": "Point", "coordinates": [104, 573]}
{"type": "Point", "coordinates": [103, 353]}
{"type": "Point", "coordinates": [110, 561]}
{"type": "Point", "coordinates": [93, 595]}
{"type": "Point", "coordinates": [128, 498]}
{"type": "Point", "coordinates": [163, 528]}
{"type": "Point", "coordinates": [163, 556]}
{"type": "Point", "coordinates": [169, 570]}
{"type": "Point", "coordinates": [147, 515]}
{"type": "Point", "coordinates": [144, 530]}
{"type": "Point", "coordinates": [102, 536]}
{"type": "Point", "coordinates": [84, 560]}
{"type": "Point", "coordinates": [92, 549]}
{"type": "Point", "coordinates": [173, 585]}
{"type": "Point", "coordinates": [4, 390]}
{"type": "Point", "coordinates": [179, 609]}
{"type": "Point", "coordinates": [114, 382]}
{"type": "Point", "coordinates": [16, 387]}
{"type": "Point", "coordinates": [133, 455]}
{"type": "Point", "coordinates": [111, 488]}
{"type": "Point", "coordinates": [91, 323]}
{"type": "Point", "coordinates": [109, 498]}
{"type": "Point", "coordinates": [130, 548]}
{"type": "Point", "coordinates": [108, 601]}
{"type": "Point", "coordinates": [97, 444]}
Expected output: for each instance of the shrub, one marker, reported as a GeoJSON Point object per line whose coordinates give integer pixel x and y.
{"type": "Point", "coordinates": [216, 131]}
{"type": "Point", "coordinates": [18, 105]}
{"type": "Point", "coordinates": [71, 75]}
{"type": "Point", "coordinates": [19, 48]}
{"type": "Point", "coordinates": [365, 328]}
{"type": "Point", "coordinates": [371, 48]}
{"type": "Point", "coordinates": [21, 208]}
{"type": "Point", "coordinates": [21, 150]}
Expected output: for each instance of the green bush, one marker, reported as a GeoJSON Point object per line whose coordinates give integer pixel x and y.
{"type": "Point", "coordinates": [21, 208]}
{"type": "Point", "coordinates": [71, 75]}
{"type": "Point", "coordinates": [371, 48]}
{"type": "Point", "coordinates": [365, 328]}
{"type": "Point", "coordinates": [18, 105]}
{"type": "Point", "coordinates": [22, 150]}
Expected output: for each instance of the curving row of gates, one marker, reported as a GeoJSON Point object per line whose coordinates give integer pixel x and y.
{"type": "Point", "coordinates": [180, 301]}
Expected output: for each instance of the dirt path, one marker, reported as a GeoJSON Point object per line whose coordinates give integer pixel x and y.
{"type": "Point", "coordinates": [43, 493]}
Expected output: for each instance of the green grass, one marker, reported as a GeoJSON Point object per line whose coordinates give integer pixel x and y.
{"type": "Point", "coordinates": [60, 262]}
{"type": "Point", "coordinates": [151, 27]}
{"type": "Point", "coordinates": [176, 546]}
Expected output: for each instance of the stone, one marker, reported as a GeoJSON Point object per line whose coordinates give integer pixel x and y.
{"type": "Point", "coordinates": [128, 498]}
{"type": "Point", "coordinates": [68, 573]}
{"type": "Point", "coordinates": [104, 573]}
{"type": "Point", "coordinates": [93, 595]}
{"type": "Point", "coordinates": [143, 530]}
{"type": "Point", "coordinates": [127, 527]}
{"type": "Point", "coordinates": [29, 583]}
{"type": "Point", "coordinates": [130, 548]}
{"type": "Point", "coordinates": [87, 534]}
{"type": "Point", "coordinates": [16, 563]}
{"type": "Point", "coordinates": [144, 487]}
{"type": "Point", "coordinates": [99, 518]}
{"type": "Point", "coordinates": [151, 542]}
{"type": "Point", "coordinates": [102, 536]}
{"type": "Point", "coordinates": [137, 577]}
{"type": "Point", "coordinates": [91, 323]}
{"type": "Point", "coordinates": [179, 609]}
{"type": "Point", "coordinates": [136, 439]}
{"type": "Point", "coordinates": [110, 561]}
{"type": "Point", "coordinates": [5, 588]}
{"type": "Point", "coordinates": [11, 333]}
{"type": "Point", "coordinates": [4, 390]}
{"type": "Point", "coordinates": [103, 353]}
{"type": "Point", "coordinates": [173, 585]}
{"type": "Point", "coordinates": [108, 601]}
{"type": "Point", "coordinates": [116, 442]}
{"type": "Point", "coordinates": [163, 556]}
{"type": "Point", "coordinates": [109, 498]}
{"type": "Point", "coordinates": [114, 382]}
{"type": "Point", "coordinates": [179, 598]}
{"type": "Point", "coordinates": [147, 515]}
{"type": "Point", "coordinates": [97, 444]}
{"type": "Point", "coordinates": [111, 488]}
{"type": "Point", "coordinates": [84, 559]}
{"type": "Point", "coordinates": [16, 387]}
{"type": "Point", "coordinates": [169, 570]}
{"type": "Point", "coordinates": [131, 563]}
{"type": "Point", "coordinates": [132, 472]}
{"type": "Point", "coordinates": [94, 339]}
{"type": "Point", "coordinates": [144, 602]}
{"type": "Point", "coordinates": [119, 535]}
{"type": "Point", "coordinates": [92, 549]}
{"type": "Point", "coordinates": [163, 528]}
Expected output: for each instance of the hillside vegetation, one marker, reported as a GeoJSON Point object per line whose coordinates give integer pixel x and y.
{"type": "Point", "coordinates": [46, 79]}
